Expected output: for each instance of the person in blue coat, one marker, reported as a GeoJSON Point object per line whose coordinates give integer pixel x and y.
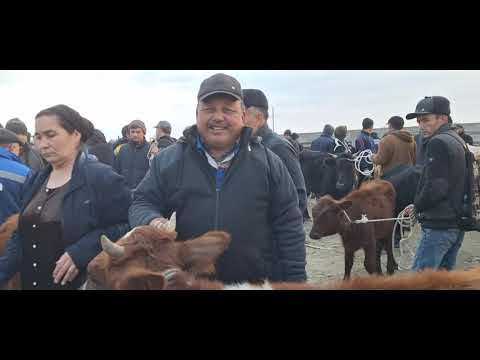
{"type": "Point", "coordinates": [325, 142]}
{"type": "Point", "coordinates": [13, 174]}
{"type": "Point", "coordinates": [65, 208]}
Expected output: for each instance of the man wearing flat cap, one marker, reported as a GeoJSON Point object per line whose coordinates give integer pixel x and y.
{"type": "Point", "coordinates": [162, 138]}
{"type": "Point", "coordinates": [256, 116]}
{"type": "Point", "coordinates": [13, 174]}
{"type": "Point", "coordinates": [439, 197]}
{"type": "Point", "coordinates": [29, 155]}
{"type": "Point", "coordinates": [217, 177]}
{"type": "Point", "coordinates": [132, 159]}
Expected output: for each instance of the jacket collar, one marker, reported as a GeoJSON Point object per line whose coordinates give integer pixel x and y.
{"type": "Point", "coordinates": [442, 129]}
{"type": "Point", "coordinates": [264, 132]}
{"type": "Point", "coordinates": [191, 134]}
{"type": "Point", "coordinates": [76, 181]}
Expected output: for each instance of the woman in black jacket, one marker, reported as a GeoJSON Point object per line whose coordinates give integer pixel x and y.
{"type": "Point", "coordinates": [65, 208]}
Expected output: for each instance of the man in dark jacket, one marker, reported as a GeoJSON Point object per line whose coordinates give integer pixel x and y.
{"type": "Point", "coordinates": [98, 146]}
{"type": "Point", "coordinates": [440, 192]}
{"type": "Point", "coordinates": [342, 145]}
{"type": "Point", "coordinates": [325, 142]}
{"type": "Point", "coordinates": [256, 116]}
{"type": "Point", "coordinates": [162, 138]}
{"type": "Point", "coordinates": [132, 161]}
{"type": "Point", "coordinates": [29, 155]}
{"type": "Point", "coordinates": [365, 140]}
{"type": "Point", "coordinates": [13, 174]}
{"type": "Point", "coordinates": [216, 177]}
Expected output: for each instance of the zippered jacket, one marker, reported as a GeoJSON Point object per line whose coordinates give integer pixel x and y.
{"type": "Point", "coordinates": [255, 201]}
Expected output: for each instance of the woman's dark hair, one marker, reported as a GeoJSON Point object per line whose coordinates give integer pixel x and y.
{"type": "Point", "coordinates": [295, 136]}
{"type": "Point", "coordinates": [70, 120]}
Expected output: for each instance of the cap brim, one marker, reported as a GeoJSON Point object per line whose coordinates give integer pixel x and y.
{"type": "Point", "coordinates": [203, 97]}
{"type": "Point", "coordinates": [415, 115]}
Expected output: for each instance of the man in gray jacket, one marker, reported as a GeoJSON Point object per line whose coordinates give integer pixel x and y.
{"type": "Point", "coordinates": [217, 177]}
{"type": "Point", "coordinates": [256, 107]}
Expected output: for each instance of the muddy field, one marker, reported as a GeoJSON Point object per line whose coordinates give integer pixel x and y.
{"type": "Point", "coordinates": [327, 263]}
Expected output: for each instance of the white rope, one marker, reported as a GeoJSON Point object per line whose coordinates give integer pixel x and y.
{"type": "Point", "coordinates": [406, 222]}
{"type": "Point", "coordinates": [364, 155]}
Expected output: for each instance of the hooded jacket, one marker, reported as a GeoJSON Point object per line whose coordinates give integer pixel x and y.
{"type": "Point", "coordinates": [397, 148]}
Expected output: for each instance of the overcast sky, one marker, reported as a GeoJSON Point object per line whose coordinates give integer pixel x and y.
{"type": "Point", "coordinates": [303, 101]}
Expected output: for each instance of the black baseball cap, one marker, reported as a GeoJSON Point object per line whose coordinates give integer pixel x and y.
{"type": "Point", "coordinates": [431, 105]}
{"type": "Point", "coordinates": [255, 97]}
{"type": "Point", "coordinates": [8, 137]}
{"type": "Point", "coordinates": [220, 84]}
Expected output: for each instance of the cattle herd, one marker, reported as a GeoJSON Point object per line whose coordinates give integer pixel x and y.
{"type": "Point", "coordinates": [151, 258]}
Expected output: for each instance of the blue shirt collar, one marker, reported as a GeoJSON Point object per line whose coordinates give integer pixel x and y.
{"type": "Point", "coordinates": [202, 148]}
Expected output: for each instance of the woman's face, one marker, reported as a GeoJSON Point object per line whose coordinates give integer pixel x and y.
{"type": "Point", "coordinates": [55, 144]}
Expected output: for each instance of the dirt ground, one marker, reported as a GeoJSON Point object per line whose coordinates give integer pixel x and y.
{"type": "Point", "coordinates": [327, 263]}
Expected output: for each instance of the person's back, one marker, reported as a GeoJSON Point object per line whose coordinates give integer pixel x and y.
{"type": "Point", "coordinates": [132, 161]}
{"type": "Point", "coordinates": [325, 142]}
{"type": "Point", "coordinates": [97, 145]}
{"type": "Point", "coordinates": [13, 174]}
{"type": "Point", "coordinates": [396, 148]}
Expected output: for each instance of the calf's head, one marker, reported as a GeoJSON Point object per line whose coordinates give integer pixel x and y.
{"type": "Point", "coordinates": [329, 217]}
{"type": "Point", "coordinates": [146, 258]}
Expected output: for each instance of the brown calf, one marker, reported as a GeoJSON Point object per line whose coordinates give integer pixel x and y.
{"type": "Point", "coordinates": [376, 199]}
{"type": "Point", "coordinates": [142, 259]}
{"type": "Point", "coordinates": [147, 258]}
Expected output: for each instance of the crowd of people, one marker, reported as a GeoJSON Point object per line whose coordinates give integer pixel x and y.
{"type": "Point", "coordinates": [227, 172]}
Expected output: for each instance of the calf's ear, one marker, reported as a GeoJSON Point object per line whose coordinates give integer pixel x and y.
{"type": "Point", "coordinates": [199, 255]}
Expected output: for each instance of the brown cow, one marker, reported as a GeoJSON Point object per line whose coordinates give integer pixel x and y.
{"type": "Point", "coordinates": [148, 258]}
{"type": "Point", "coordinates": [376, 199]}
{"type": "Point", "coordinates": [139, 259]}
{"type": "Point", "coordinates": [6, 231]}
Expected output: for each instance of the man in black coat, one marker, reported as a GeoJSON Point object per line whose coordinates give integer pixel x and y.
{"type": "Point", "coordinates": [132, 161]}
{"type": "Point", "coordinates": [256, 116]}
{"type": "Point", "coordinates": [441, 189]}
{"type": "Point", "coordinates": [98, 146]}
{"type": "Point", "coordinates": [217, 177]}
